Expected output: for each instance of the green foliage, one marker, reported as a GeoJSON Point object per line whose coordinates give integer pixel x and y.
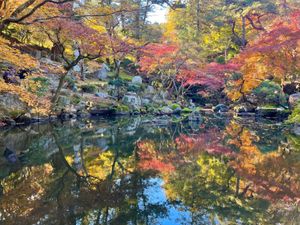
{"type": "Point", "coordinates": [127, 64]}
{"type": "Point", "coordinates": [118, 82]}
{"type": "Point", "coordinates": [174, 106]}
{"type": "Point", "coordinates": [16, 113]}
{"type": "Point", "coordinates": [295, 116]}
{"type": "Point", "coordinates": [75, 99]}
{"type": "Point", "coordinates": [236, 76]}
{"type": "Point", "coordinates": [41, 84]}
{"type": "Point", "coordinates": [220, 60]}
{"type": "Point", "coordinates": [89, 88]}
{"type": "Point", "coordinates": [133, 88]}
{"type": "Point", "coordinates": [187, 110]}
{"type": "Point", "coordinates": [70, 81]}
{"type": "Point", "coordinates": [268, 92]}
{"type": "Point", "coordinates": [122, 108]}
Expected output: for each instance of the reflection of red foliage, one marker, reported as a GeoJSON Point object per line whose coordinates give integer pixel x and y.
{"type": "Point", "coordinates": [149, 159]}
{"type": "Point", "coordinates": [185, 148]}
{"type": "Point", "coordinates": [209, 142]}
{"type": "Point", "coordinates": [155, 164]}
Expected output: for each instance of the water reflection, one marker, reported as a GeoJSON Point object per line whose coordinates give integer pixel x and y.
{"type": "Point", "coordinates": [150, 171]}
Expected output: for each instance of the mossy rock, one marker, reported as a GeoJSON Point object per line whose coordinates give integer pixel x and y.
{"type": "Point", "coordinates": [11, 106]}
{"type": "Point", "coordinates": [122, 108]}
{"type": "Point", "coordinates": [186, 110]}
{"type": "Point", "coordinates": [295, 116]}
{"type": "Point", "coordinates": [175, 106]}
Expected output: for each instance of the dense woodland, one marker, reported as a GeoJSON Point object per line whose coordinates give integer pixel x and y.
{"type": "Point", "coordinates": [243, 54]}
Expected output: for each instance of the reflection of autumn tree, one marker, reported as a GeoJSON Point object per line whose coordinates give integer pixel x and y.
{"type": "Point", "coordinates": [164, 156]}
{"type": "Point", "coordinates": [105, 173]}
{"type": "Point", "coordinates": [206, 188]}
{"type": "Point", "coordinates": [108, 189]}
{"type": "Point", "coordinates": [23, 192]}
{"type": "Point", "coordinates": [273, 175]}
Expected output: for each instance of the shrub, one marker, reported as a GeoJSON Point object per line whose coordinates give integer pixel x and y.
{"type": "Point", "coordinates": [75, 99]}
{"type": "Point", "coordinates": [39, 85]}
{"type": "Point", "coordinates": [270, 93]}
{"type": "Point", "coordinates": [89, 88]}
{"type": "Point", "coordinates": [117, 82]}
{"type": "Point", "coordinates": [295, 116]}
{"type": "Point", "coordinates": [133, 88]}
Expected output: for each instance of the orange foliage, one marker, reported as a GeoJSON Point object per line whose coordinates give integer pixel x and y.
{"type": "Point", "coordinates": [275, 54]}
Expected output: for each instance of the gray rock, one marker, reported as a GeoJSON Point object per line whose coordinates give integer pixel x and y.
{"type": "Point", "coordinates": [166, 110]}
{"type": "Point", "coordinates": [221, 108]}
{"type": "Point", "coordinates": [103, 72]}
{"type": "Point", "coordinates": [103, 95]}
{"type": "Point", "coordinates": [157, 99]}
{"type": "Point", "coordinates": [64, 100]}
{"type": "Point", "coordinates": [195, 116]}
{"type": "Point", "coordinates": [137, 80]}
{"type": "Point", "coordinates": [132, 99]}
{"type": "Point", "coordinates": [296, 129]}
{"type": "Point", "coordinates": [294, 99]}
{"type": "Point", "coordinates": [11, 105]}
{"type": "Point", "coordinates": [150, 90]}
{"type": "Point", "coordinates": [145, 101]}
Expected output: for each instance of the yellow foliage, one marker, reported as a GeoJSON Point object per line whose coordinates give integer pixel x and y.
{"type": "Point", "coordinates": [171, 26]}
{"type": "Point", "coordinates": [14, 56]}
{"type": "Point", "coordinates": [37, 106]}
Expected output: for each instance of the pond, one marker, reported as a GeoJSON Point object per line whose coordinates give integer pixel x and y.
{"type": "Point", "coordinates": [142, 170]}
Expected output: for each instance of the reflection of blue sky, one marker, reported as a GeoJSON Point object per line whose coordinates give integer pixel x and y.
{"type": "Point", "coordinates": [156, 195]}
{"type": "Point", "coordinates": [158, 15]}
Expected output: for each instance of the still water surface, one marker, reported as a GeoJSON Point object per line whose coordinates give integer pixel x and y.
{"type": "Point", "coordinates": [142, 170]}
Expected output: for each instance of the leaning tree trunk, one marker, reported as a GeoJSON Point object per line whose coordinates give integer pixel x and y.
{"type": "Point", "coordinates": [58, 89]}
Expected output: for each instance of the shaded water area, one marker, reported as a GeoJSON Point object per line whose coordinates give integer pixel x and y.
{"type": "Point", "coordinates": [142, 170]}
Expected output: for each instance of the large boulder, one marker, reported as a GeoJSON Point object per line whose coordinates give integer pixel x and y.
{"type": "Point", "coordinates": [102, 74]}
{"type": "Point", "coordinates": [137, 80]}
{"type": "Point", "coordinates": [132, 99]}
{"type": "Point", "coordinates": [294, 99]}
{"type": "Point", "coordinates": [11, 106]}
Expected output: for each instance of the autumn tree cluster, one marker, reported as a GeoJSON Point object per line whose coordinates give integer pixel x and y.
{"type": "Point", "coordinates": [216, 50]}
{"type": "Point", "coordinates": [228, 47]}
{"type": "Point", "coordinates": [73, 32]}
